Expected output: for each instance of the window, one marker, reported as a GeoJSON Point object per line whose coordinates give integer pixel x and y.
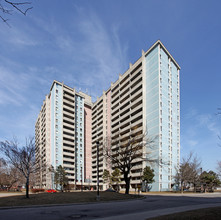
{"type": "Point", "coordinates": [56, 91]}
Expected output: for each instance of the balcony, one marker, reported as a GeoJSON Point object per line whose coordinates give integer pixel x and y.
{"type": "Point", "coordinates": [68, 160]}
{"type": "Point", "coordinates": [67, 153]}
{"type": "Point", "coordinates": [69, 137]}
{"type": "Point", "coordinates": [68, 116]}
{"type": "Point", "coordinates": [65, 101]}
{"type": "Point", "coordinates": [67, 109]}
{"type": "Point", "coordinates": [71, 126]}
{"type": "Point", "coordinates": [70, 132]}
{"type": "Point", "coordinates": [69, 142]}
{"type": "Point", "coordinates": [69, 97]}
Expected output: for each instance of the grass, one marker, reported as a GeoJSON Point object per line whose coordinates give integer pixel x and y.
{"type": "Point", "coordinates": [62, 198]}
{"type": "Point", "coordinates": [201, 214]}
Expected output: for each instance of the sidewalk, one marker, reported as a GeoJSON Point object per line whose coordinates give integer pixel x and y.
{"type": "Point", "coordinates": [7, 194]}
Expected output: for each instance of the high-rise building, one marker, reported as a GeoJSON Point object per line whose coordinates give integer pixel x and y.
{"type": "Point", "coordinates": [63, 135]}
{"type": "Point", "coordinates": [144, 100]}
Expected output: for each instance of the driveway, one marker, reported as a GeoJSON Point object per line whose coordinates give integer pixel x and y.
{"type": "Point", "coordinates": [150, 206]}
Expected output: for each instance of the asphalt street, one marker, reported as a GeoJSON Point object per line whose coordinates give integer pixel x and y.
{"type": "Point", "coordinates": [150, 206]}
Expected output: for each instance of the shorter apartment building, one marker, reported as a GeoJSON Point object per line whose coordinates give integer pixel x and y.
{"type": "Point", "coordinates": [63, 136]}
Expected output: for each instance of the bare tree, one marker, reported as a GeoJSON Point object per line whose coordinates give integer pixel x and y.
{"type": "Point", "coordinates": [125, 154]}
{"type": "Point", "coordinates": [9, 176]}
{"type": "Point", "coordinates": [7, 8]}
{"type": "Point", "coordinates": [188, 172]}
{"type": "Point", "coordinates": [21, 158]}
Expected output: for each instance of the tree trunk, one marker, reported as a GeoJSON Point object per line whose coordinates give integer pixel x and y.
{"type": "Point", "coordinates": [182, 188]}
{"type": "Point", "coordinates": [194, 185]}
{"type": "Point", "coordinates": [27, 188]}
{"type": "Point", "coordinates": [127, 181]}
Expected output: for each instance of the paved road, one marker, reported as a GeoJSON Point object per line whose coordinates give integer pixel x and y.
{"type": "Point", "coordinates": [150, 206]}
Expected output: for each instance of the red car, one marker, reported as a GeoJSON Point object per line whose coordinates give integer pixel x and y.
{"type": "Point", "coordinates": [51, 191]}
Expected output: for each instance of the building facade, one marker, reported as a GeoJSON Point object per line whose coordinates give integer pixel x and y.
{"type": "Point", "coordinates": [62, 136]}
{"type": "Point", "coordinates": [145, 100]}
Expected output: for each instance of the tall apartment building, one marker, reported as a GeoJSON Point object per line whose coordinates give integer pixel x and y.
{"type": "Point", "coordinates": [63, 135]}
{"type": "Point", "coordinates": [144, 100]}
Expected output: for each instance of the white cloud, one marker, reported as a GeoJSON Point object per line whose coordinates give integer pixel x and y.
{"type": "Point", "coordinates": [25, 36]}
{"type": "Point", "coordinates": [206, 120]}
{"type": "Point", "coordinates": [11, 87]}
{"type": "Point", "coordinates": [95, 53]}
{"type": "Point", "coordinates": [86, 55]}
{"type": "Point", "coordinates": [192, 143]}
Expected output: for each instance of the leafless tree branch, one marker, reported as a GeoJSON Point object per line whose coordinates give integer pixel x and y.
{"type": "Point", "coordinates": [21, 7]}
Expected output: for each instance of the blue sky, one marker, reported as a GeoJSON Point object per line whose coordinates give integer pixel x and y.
{"type": "Point", "coordinates": [86, 44]}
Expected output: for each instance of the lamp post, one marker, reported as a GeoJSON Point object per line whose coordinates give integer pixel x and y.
{"type": "Point", "coordinates": [98, 193]}
{"type": "Point", "coordinates": [81, 180]}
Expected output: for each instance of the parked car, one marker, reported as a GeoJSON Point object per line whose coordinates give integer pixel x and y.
{"type": "Point", "coordinates": [51, 191]}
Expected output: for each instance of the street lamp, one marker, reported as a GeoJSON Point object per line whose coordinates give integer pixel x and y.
{"type": "Point", "coordinates": [81, 180]}
{"type": "Point", "coordinates": [98, 195]}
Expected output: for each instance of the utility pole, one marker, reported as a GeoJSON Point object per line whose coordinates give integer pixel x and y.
{"type": "Point", "coordinates": [98, 193]}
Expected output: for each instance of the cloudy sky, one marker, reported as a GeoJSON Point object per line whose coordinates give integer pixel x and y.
{"type": "Point", "coordinates": [86, 44]}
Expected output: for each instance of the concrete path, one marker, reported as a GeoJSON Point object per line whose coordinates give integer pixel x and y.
{"type": "Point", "coordinates": [11, 194]}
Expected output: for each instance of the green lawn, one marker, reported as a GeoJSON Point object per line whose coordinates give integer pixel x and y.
{"type": "Point", "coordinates": [62, 198]}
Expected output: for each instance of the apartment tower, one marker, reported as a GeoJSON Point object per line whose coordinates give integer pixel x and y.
{"type": "Point", "coordinates": [144, 100]}
{"type": "Point", "coordinates": [63, 136]}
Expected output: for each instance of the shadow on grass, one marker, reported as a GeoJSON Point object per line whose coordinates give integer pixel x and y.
{"type": "Point", "coordinates": [63, 198]}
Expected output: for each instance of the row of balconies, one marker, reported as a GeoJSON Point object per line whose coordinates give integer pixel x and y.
{"type": "Point", "coordinates": [68, 103]}
{"type": "Point", "coordinates": [119, 106]}
{"type": "Point", "coordinates": [125, 88]}
{"type": "Point", "coordinates": [127, 78]}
